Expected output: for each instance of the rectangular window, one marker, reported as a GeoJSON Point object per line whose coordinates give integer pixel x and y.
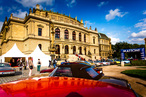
{"type": "Point", "coordinates": [94, 51]}
{"type": "Point", "coordinates": [39, 31]}
{"type": "Point", "coordinates": [93, 40]}
{"type": "Point", "coordinates": [84, 37]}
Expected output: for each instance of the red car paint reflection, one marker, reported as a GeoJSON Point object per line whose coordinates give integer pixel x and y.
{"type": "Point", "coordinates": [63, 87]}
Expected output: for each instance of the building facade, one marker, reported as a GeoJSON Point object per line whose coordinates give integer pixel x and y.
{"type": "Point", "coordinates": [70, 36]}
{"type": "Point", "coordinates": [105, 50]}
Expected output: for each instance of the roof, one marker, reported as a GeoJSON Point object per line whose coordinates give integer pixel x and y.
{"type": "Point", "coordinates": [14, 52]}
{"type": "Point", "coordinates": [103, 36]}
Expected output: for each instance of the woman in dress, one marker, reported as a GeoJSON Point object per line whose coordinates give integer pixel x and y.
{"type": "Point", "coordinates": [30, 63]}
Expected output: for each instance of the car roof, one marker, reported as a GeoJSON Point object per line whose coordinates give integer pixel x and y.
{"type": "Point", "coordinates": [79, 70]}
{"type": "Point", "coordinates": [63, 87]}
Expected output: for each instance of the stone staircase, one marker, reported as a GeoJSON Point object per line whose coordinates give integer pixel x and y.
{"type": "Point", "coordinates": [72, 58]}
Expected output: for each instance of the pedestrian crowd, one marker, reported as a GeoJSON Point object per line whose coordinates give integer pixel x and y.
{"type": "Point", "coordinates": [23, 64]}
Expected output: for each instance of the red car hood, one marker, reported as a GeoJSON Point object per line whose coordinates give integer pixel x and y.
{"type": "Point", "coordinates": [62, 87]}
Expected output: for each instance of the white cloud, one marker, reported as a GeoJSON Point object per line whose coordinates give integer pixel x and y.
{"type": "Point", "coordinates": [141, 34]}
{"type": "Point", "coordinates": [144, 12]}
{"type": "Point", "coordinates": [114, 40]}
{"type": "Point", "coordinates": [32, 3]}
{"type": "Point", "coordinates": [1, 24]}
{"type": "Point", "coordinates": [71, 3]}
{"type": "Point", "coordinates": [137, 40]}
{"type": "Point", "coordinates": [142, 24]}
{"type": "Point", "coordinates": [102, 3]}
{"type": "Point", "coordinates": [88, 24]}
{"type": "Point", "coordinates": [102, 29]}
{"type": "Point", "coordinates": [20, 14]}
{"type": "Point", "coordinates": [113, 13]}
{"type": "Point", "coordinates": [9, 9]}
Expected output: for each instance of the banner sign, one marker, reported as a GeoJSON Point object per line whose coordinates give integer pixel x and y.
{"type": "Point", "coordinates": [141, 50]}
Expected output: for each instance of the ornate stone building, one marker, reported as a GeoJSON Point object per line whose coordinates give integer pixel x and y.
{"type": "Point", "coordinates": [105, 49]}
{"type": "Point", "coordinates": [70, 35]}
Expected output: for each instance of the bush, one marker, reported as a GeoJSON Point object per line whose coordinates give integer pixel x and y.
{"type": "Point", "coordinates": [138, 62]}
{"type": "Point", "coordinates": [135, 73]}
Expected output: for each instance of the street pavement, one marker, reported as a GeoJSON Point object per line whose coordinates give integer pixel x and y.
{"type": "Point", "coordinates": [19, 75]}
{"type": "Point", "coordinates": [137, 84]}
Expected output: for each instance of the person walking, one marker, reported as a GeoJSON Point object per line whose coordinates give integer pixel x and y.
{"type": "Point", "coordinates": [54, 62]}
{"type": "Point", "coordinates": [38, 65]}
{"type": "Point", "coordinates": [30, 63]}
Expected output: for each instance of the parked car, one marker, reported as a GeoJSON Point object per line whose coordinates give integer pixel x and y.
{"type": "Point", "coordinates": [6, 69]}
{"type": "Point", "coordinates": [77, 69]}
{"type": "Point", "coordinates": [63, 87]}
{"type": "Point", "coordinates": [126, 61]}
{"type": "Point", "coordinates": [72, 79]}
{"type": "Point", "coordinates": [91, 63]}
{"type": "Point", "coordinates": [106, 63]}
{"type": "Point", "coordinates": [112, 62]}
{"type": "Point", "coordinates": [117, 61]}
{"type": "Point", "coordinates": [98, 63]}
{"type": "Point", "coordinates": [80, 62]}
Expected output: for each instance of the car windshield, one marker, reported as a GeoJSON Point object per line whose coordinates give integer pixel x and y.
{"type": "Point", "coordinates": [63, 71]}
{"type": "Point", "coordinates": [4, 65]}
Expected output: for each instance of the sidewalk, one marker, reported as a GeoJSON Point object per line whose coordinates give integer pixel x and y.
{"type": "Point", "coordinates": [137, 84]}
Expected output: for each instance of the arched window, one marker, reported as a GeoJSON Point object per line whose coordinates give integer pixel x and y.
{"type": "Point", "coordinates": [58, 49]}
{"type": "Point", "coordinates": [40, 46]}
{"type": "Point", "coordinates": [85, 50]}
{"type": "Point", "coordinates": [57, 33]}
{"type": "Point", "coordinates": [74, 49]}
{"type": "Point", "coordinates": [84, 37]}
{"type": "Point", "coordinates": [66, 34]}
{"type": "Point", "coordinates": [66, 49]}
{"type": "Point", "coordinates": [79, 36]}
{"type": "Point", "coordinates": [80, 50]}
{"type": "Point", "coordinates": [73, 35]}
{"type": "Point", "coordinates": [39, 31]}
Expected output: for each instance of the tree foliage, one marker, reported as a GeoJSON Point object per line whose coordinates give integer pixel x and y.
{"type": "Point", "coordinates": [124, 45]}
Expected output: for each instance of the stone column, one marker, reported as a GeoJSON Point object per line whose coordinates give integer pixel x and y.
{"type": "Point", "coordinates": [47, 30]}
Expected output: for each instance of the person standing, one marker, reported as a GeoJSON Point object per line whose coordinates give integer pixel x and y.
{"type": "Point", "coordinates": [38, 65]}
{"type": "Point", "coordinates": [25, 64]}
{"type": "Point", "coordinates": [30, 63]}
{"type": "Point", "coordinates": [21, 65]}
{"type": "Point", "coordinates": [12, 62]}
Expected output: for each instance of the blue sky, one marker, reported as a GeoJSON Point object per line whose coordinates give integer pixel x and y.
{"type": "Point", "coordinates": [121, 20]}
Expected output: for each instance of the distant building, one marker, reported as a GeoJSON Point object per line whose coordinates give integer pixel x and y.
{"type": "Point", "coordinates": [105, 50]}
{"type": "Point", "coordinates": [70, 35]}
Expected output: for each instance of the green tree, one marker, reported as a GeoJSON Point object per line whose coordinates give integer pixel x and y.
{"type": "Point", "coordinates": [124, 45]}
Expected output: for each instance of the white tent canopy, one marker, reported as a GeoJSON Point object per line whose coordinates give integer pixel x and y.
{"type": "Point", "coordinates": [38, 54]}
{"type": "Point", "coordinates": [13, 52]}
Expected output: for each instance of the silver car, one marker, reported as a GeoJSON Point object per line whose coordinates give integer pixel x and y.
{"type": "Point", "coordinates": [6, 69]}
